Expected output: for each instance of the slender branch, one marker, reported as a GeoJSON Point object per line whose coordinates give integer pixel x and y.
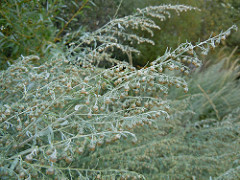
{"type": "Point", "coordinates": [117, 9]}
{"type": "Point", "coordinates": [81, 7]}
{"type": "Point", "coordinates": [210, 101]}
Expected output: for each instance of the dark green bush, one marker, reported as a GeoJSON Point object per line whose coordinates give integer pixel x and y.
{"type": "Point", "coordinates": [32, 27]}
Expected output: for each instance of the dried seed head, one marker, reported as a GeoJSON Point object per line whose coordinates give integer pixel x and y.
{"type": "Point", "coordinates": [102, 108]}
{"type": "Point", "coordinates": [134, 140]}
{"type": "Point", "coordinates": [100, 142]}
{"type": "Point", "coordinates": [160, 69]}
{"type": "Point", "coordinates": [22, 175]}
{"type": "Point", "coordinates": [87, 102]}
{"type": "Point", "coordinates": [152, 68]}
{"type": "Point", "coordinates": [68, 160]}
{"type": "Point", "coordinates": [49, 152]}
{"type": "Point", "coordinates": [90, 115]}
{"type": "Point", "coordinates": [108, 140]}
{"type": "Point", "coordinates": [95, 108]}
{"type": "Point", "coordinates": [92, 147]}
{"type": "Point", "coordinates": [186, 72]}
{"type": "Point", "coordinates": [79, 150]}
{"type": "Point", "coordinates": [133, 105]}
{"type": "Point", "coordinates": [86, 79]}
{"type": "Point", "coordinates": [117, 137]}
{"type": "Point", "coordinates": [29, 158]}
{"type": "Point", "coordinates": [83, 91]}
{"type": "Point", "coordinates": [53, 159]}
{"type": "Point", "coordinates": [146, 104]}
{"type": "Point", "coordinates": [136, 91]}
{"type": "Point", "coordinates": [26, 123]}
{"type": "Point", "coordinates": [69, 85]}
{"type": "Point", "coordinates": [107, 100]}
{"type": "Point", "coordinates": [19, 127]}
{"type": "Point", "coordinates": [126, 87]}
{"type": "Point", "coordinates": [139, 73]}
{"type": "Point", "coordinates": [50, 171]}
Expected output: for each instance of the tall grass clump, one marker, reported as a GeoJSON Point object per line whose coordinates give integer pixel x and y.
{"type": "Point", "coordinates": [57, 117]}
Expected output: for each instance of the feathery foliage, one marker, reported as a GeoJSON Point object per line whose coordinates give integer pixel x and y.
{"type": "Point", "coordinates": [58, 118]}
{"type": "Point", "coordinates": [190, 145]}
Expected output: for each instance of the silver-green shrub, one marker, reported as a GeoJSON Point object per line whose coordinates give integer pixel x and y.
{"type": "Point", "coordinates": [55, 116]}
{"type": "Point", "coordinates": [195, 143]}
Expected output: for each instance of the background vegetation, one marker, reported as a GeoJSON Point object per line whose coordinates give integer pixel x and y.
{"type": "Point", "coordinates": [64, 117]}
{"type": "Point", "coordinates": [37, 31]}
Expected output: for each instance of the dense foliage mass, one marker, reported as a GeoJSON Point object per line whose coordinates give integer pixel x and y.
{"type": "Point", "coordinates": [86, 113]}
